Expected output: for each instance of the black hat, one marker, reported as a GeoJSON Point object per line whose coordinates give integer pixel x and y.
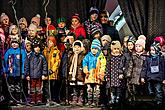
{"type": "Point", "coordinates": [36, 43]}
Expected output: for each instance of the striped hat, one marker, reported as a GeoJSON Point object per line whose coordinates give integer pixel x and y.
{"type": "Point", "coordinates": [96, 44]}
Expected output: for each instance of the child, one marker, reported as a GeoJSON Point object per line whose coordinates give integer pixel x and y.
{"type": "Point", "coordinates": [76, 75]}
{"type": "Point", "coordinates": [92, 22]}
{"type": "Point", "coordinates": [135, 67]}
{"type": "Point", "coordinates": [125, 41]}
{"type": "Point", "coordinates": [53, 58]}
{"type": "Point", "coordinates": [14, 69]}
{"type": "Point", "coordinates": [94, 67]}
{"type": "Point", "coordinates": [23, 27]}
{"type": "Point", "coordinates": [153, 72]}
{"type": "Point", "coordinates": [115, 74]}
{"type": "Point", "coordinates": [32, 32]}
{"type": "Point", "coordinates": [77, 28]}
{"type": "Point", "coordinates": [36, 71]}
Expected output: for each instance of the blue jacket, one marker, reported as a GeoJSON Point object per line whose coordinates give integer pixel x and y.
{"type": "Point", "coordinates": [146, 70]}
{"type": "Point", "coordinates": [35, 66]}
{"type": "Point", "coordinates": [12, 62]}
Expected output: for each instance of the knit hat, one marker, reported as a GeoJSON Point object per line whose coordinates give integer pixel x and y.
{"type": "Point", "coordinates": [36, 42]}
{"type": "Point", "coordinates": [93, 10]}
{"type": "Point", "coordinates": [59, 20]}
{"type": "Point", "coordinates": [2, 36]}
{"type": "Point", "coordinates": [141, 41]}
{"type": "Point", "coordinates": [11, 28]}
{"type": "Point", "coordinates": [23, 21]}
{"type": "Point", "coordinates": [116, 44]}
{"type": "Point", "coordinates": [95, 30]}
{"type": "Point", "coordinates": [27, 41]}
{"type": "Point", "coordinates": [76, 16]}
{"type": "Point", "coordinates": [16, 40]}
{"type": "Point", "coordinates": [131, 39]}
{"type": "Point", "coordinates": [106, 37]}
{"type": "Point", "coordinates": [79, 43]}
{"type": "Point", "coordinates": [52, 38]}
{"type": "Point", "coordinates": [156, 47]}
{"type": "Point", "coordinates": [160, 40]}
{"type": "Point", "coordinates": [32, 27]}
{"type": "Point", "coordinates": [96, 44]}
{"type": "Point", "coordinates": [36, 19]}
{"type": "Point", "coordinates": [4, 16]}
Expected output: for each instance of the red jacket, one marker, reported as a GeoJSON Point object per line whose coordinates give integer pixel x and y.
{"type": "Point", "coordinates": [79, 32]}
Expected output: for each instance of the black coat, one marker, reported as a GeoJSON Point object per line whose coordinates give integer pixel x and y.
{"type": "Point", "coordinates": [146, 70]}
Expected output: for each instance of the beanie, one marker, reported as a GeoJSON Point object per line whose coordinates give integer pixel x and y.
{"type": "Point", "coordinates": [141, 41]}
{"type": "Point", "coordinates": [32, 27]}
{"type": "Point", "coordinates": [96, 44]}
{"type": "Point", "coordinates": [116, 44]}
{"type": "Point", "coordinates": [27, 41]}
{"type": "Point", "coordinates": [131, 39]}
{"type": "Point", "coordinates": [93, 10]}
{"type": "Point", "coordinates": [79, 43]}
{"type": "Point", "coordinates": [23, 21]}
{"type": "Point", "coordinates": [15, 40]}
{"type": "Point", "coordinates": [4, 16]}
{"type": "Point", "coordinates": [59, 20]}
{"type": "Point", "coordinates": [156, 47]}
{"type": "Point", "coordinates": [160, 40]}
{"type": "Point", "coordinates": [106, 37]}
{"type": "Point", "coordinates": [76, 16]}
{"type": "Point", "coordinates": [95, 30]}
{"type": "Point", "coordinates": [52, 38]}
{"type": "Point", "coordinates": [11, 28]}
{"type": "Point", "coordinates": [36, 19]}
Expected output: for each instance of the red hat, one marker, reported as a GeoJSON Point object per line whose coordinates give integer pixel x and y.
{"type": "Point", "coordinates": [52, 39]}
{"type": "Point", "coordinates": [51, 27]}
{"type": "Point", "coordinates": [76, 16]}
{"type": "Point", "coordinates": [160, 39]}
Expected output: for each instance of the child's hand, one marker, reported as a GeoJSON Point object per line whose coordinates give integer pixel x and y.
{"type": "Point", "coordinates": [163, 81]}
{"type": "Point", "coordinates": [142, 80]}
{"type": "Point", "coordinates": [43, 77]}
{"type": "Point", "coordinates": [121, 76]}
{"type": "Point", "coordinates": [28, 78]}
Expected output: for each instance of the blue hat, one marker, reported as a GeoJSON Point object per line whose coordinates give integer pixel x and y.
{"type": "Point", "coordinates": [96, 44]}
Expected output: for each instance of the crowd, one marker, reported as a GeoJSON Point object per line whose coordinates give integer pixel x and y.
{"type": "Point", "coordinates": [86, 63]}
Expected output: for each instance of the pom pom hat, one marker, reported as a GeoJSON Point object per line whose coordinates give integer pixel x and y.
{"type": "Point", "coordinates": [96, 44]}
{"type": "Point", "coordinates": [141, 41]}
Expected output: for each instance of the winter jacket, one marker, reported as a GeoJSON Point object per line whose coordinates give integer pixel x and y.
{"type": "Point", "coordinates": [148, 64]}
{"type": "Point", "coordinates": [79, 32]}
{"type": "Point", "coordinates": [80, 76]}
{"type": "Point", "coordinates": [12, 62]}
{"type": "Point", "coordinates": [53, 60]}
{"type": "Point", "coordinates": [35, 66]}
{"type": "Point", "coordinates": [135, 67]}
{"type": "Point", "coordinates": [89, 25]}
{"type": "Point", "coordinates": [94, 67]}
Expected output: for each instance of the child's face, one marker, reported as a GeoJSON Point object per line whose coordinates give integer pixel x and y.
{"type": "Point", "coordinates": [75, 22]}
{"type": "Point", "coordinates": [61, 24]}
{"type": "Point", "coordinates": [104, 18]}
{"type": "Point", "coordinates": [77, 48]}
{"type": "Point", "coordinates": [48, 21]}
{"type": "Point", "coordinates": [97, 35]}
{"type": "Point", "coordinates": [138, 48]}
{"type": "Point", "coordinates": [115, 51]}
{"type": "Point", "coordinates": [28, 47]}
{"type": "Point", "coordinates": [50, 44]}
{"type": "Point", "coordinates": [104, 42]}
{"type": "Point", "coordinates": [152, 50]}
{"type": "Point", "coordinates": [14, 31]}
{"type": "Point", "coordinates": [37, 49]}
{"type": "Point", "coordinates": [22, 26]}
{"type": "Point", "coordinates": [14, 45]}
{"type": "Point", "coordinates": [94, 51]}
{"type": "Point", "coordinates": [94, 17]}
{"type": "Point", "coordinates": [32, 33]}
{"type": "Point", "coordinates": [35, 23]}
{"type": "Point", "coordinates": [130, 45]}
{"type": "Point", "coordinates": [5, 21]}
{"type": "Point", "coordinates": [163, 48]}
{"type": "Point", "coordinates": [105, 52]}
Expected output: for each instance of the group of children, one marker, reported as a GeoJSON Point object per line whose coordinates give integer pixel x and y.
{"type": "Point", "coordinates": [42, 61]}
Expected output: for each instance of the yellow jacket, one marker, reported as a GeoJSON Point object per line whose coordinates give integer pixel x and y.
{"type": "Point", "coordinates": [53, 59]}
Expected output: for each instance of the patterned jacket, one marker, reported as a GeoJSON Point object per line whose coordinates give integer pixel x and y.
{"type": "Point", "coordinates": [53, 59]}
{"type": "Point", "coordinates": [94, 67]}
